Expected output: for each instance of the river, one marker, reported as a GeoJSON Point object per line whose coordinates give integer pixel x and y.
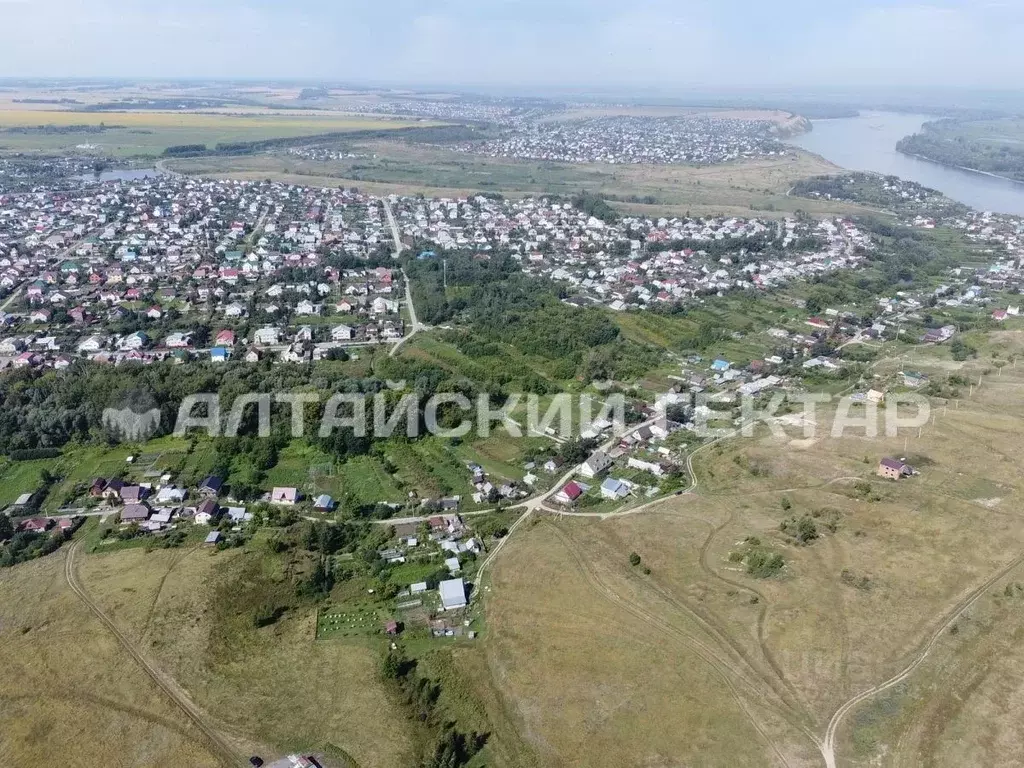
{"type": "Point", "coordinates": [121, 174]}
{"type": "Point", "coordinates": [868, 143]}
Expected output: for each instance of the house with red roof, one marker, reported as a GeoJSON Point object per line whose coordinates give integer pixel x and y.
{"type": "Point", "coordinates": [570, 492]}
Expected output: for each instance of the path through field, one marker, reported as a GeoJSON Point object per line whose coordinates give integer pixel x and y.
{"type": "Point", "coordinates": [219, 744]}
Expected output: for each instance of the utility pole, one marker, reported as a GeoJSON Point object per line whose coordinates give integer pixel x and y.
{"type": "Point", "coordinates": [444, 265]}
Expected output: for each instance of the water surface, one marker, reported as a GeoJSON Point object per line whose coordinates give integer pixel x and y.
{"type": "Point", "coordinates": [868, 143]}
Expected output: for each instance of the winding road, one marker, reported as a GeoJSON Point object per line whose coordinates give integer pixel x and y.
{"type": "Point", "coordinates": [826, 745]}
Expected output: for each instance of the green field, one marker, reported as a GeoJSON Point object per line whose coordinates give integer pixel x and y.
{"type": "Point", "coordinates": [366, 479]}
{"type": "Point", "coordinates": [140, 133]}
{"type": "Point", "coordinates": [392, 166]}
{"type": "Point", "coordinates": [18, 477]}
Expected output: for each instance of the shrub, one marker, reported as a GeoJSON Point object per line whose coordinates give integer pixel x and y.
{"type": "Point", "coordinates": [802, 529]}
{"type": "Point", "coordinates": [762, 564]}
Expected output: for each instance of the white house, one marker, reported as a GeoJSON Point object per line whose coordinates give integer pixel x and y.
{"type": "Point", "coordinates": [92, 344]}
{"type": "Point", "coordinates": [342, 333]}
{"type": "Point", "coordinates": [135, 340]}
{"type": "Point", "coordinates": [178, 340]}
{"type": "Point", "coordinates": [614, 489]}
{"type": "Point", "coordinates": [170, 495]}
{"type": "Point", "coordinates": [287, 496]}
{"type": "Point", "coordinates": [596, 464]}
{"type": "Point", "coordinates": [11, 346]}
{"type": "Point", "coordinates": [268, 336]}
{"type": "Point", "coordinates": [653, 467]}
{"type": "Point", "coordinates": [453, 594]}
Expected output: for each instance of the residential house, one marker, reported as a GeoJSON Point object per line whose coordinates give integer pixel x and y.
{"type": "Point", "coordinates": [655, 468]}
{"type": "Point", "coordinates": [598, 462]}
{"type": "Point", "coordinates": [288, 496]}
{"type": "Point", "coordinates": [134, 513]}
{"type": "Point", "coordinates": [894, 469]}
{"type": "Point", "coordinates": [207, 512]}
{"type": "Point", "coordinates": [569, 493]}
{"type": "Point", "coordinates": [211, 486]}
{"type": "Point", "coordinates": [342, 333]}
{"type": "Point", "coordinates": [267, 337]}
{"type": "Point", "coordinates": [225, 338]}
{"type": "Point", "coordinates": [453, 594]}
{"type": "Point", "coordinates": [323, 503]}
{"type": "Point", "coordinates": [614, 489]}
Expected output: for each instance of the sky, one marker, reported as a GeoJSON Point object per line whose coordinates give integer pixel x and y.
{"type": "Point", "coordinates": [661, 45]}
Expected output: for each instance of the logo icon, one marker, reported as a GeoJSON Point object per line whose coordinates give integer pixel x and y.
{"type": "Point", "coordinates": [133, 418]}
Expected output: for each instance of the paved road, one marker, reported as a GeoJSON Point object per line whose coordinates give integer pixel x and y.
{"type": "Point", "coordinates": [414, 324]}
{"type": "Point", "coordinates": [220, 746]}
{"type": "Point", "coordinates": [14, 294]}
{"type": "Point", "coordinates": [404, 520]}
{"type": "Point", "coordinates": [161, 165]}
{"type": "Point", "coordinates": [395, 234]}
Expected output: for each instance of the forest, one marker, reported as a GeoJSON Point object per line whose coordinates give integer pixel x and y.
{"type": "Point", "coordinates": [887, 192]}
{"type": "Point", "coordinates": [950, 142]}
{"type": "Point", "coordinates": [495, 303]}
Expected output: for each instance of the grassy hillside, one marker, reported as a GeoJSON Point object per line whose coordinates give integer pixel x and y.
{"type": "Point", "coordinates": [601, 658]}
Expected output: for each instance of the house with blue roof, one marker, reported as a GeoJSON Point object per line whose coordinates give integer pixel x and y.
{"type": "Point", "coordinates": [614, 489]}
{"type": "Point", "coordinates": [720, 366]}
{"type": "Point", "coordinates": [220, 354]}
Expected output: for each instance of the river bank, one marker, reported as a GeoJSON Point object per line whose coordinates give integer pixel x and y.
{"type": "Point", "coordinates": [960, 167]}
{"type": "Point", "coordinates": [868, 143]}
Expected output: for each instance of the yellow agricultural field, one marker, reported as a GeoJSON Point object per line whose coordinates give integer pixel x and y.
{"type": "Point", "coordinates": [149, 133]}
{"type": "Point", "coordinates": [287, 123]}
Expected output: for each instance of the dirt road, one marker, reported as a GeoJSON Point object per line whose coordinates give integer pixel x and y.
{"type": "Point", "coordinates": [219, 745]}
